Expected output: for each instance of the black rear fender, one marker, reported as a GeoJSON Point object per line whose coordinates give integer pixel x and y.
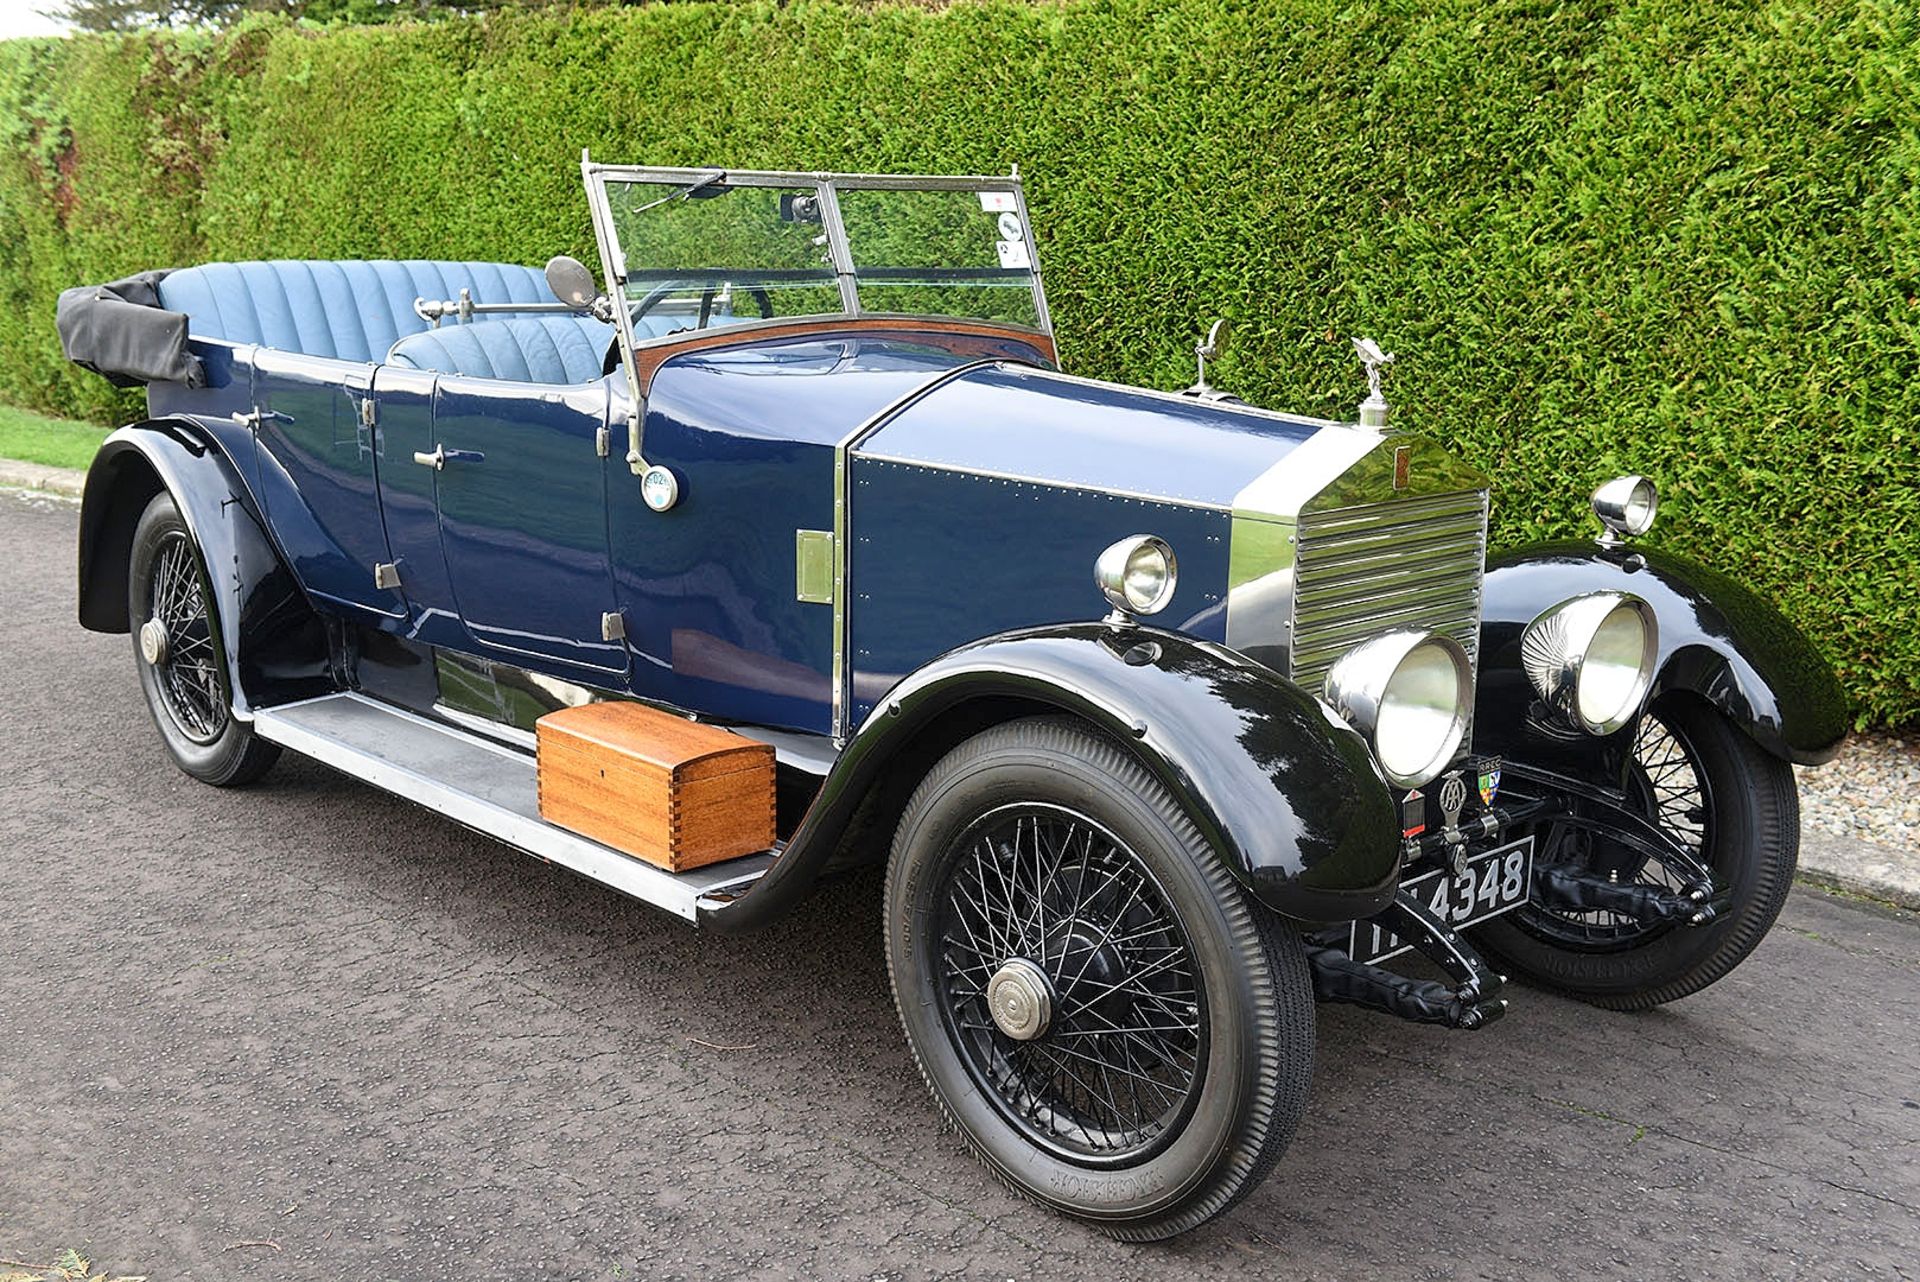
{"type": "Point", "coordinates": [276, 645]}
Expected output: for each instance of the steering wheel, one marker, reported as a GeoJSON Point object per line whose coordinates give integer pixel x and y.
{"type": "Point", "coordinates": [653, 297]}
{"type": "Point", "coordinates": [659, 293]}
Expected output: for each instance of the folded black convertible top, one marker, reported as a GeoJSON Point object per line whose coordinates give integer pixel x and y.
{"type": "Point", "coordinates": [120, 331]}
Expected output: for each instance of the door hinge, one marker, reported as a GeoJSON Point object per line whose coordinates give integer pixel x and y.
{"type": "Point", "coordinates": [613, 627]}
{"type": "Point", "coordinates": [602, 441]}
{"type": "Point", "coordinates": [386, 574]}
{"type": "Point", "coordinates": [368, 414]}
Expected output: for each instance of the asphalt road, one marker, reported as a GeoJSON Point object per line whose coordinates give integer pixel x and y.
{"type": "Point", "coordinates": [311, 1015]}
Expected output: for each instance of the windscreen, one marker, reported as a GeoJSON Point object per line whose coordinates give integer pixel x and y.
{"type": "Point", "coordinates": [940, 253]}
{"type": "Point", "coordinates": [707, 252]}
{"type": "Point", "coordinates": [701, 254]}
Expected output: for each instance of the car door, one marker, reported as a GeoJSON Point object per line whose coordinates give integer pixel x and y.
{"type": "Point", "coordinates": [319, 477]}
{"type": "Point", "coordinates": [521, 492]}
{"type": "Point", "coordinates": [404, 402]}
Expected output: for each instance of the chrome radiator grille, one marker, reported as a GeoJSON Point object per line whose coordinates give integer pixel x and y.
{"type": "Point", "coordinates": [1411, 563]}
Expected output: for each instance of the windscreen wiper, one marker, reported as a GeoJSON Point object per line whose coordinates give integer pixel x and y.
{"type": "Point", "coordinates": [689, 192]}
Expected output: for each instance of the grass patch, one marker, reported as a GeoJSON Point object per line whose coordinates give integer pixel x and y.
{"type": "Point", "coordinates": [56, 442]}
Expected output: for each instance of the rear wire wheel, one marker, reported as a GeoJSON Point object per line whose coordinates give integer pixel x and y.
{"type": "Point", "coordinates": [1719, 795]}
{"type": "Point", "coordinates": [181, 656]}
{"type": "Point", "coordinates": [1094, 1003]}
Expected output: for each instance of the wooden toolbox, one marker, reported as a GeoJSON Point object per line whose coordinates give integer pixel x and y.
{"type": "Point", "coordinates": [671, 791]}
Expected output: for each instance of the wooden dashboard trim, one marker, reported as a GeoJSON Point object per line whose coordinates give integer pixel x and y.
{"type": "Point", "coordinates": [647, 360]}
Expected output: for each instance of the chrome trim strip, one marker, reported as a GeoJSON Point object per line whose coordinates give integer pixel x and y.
{"type": "Point", "coordinates": [484, 785]}
{"type": "Point", "coordinates": [1263, 544]}
{"type": "Point", "coordinates": [794, 177]}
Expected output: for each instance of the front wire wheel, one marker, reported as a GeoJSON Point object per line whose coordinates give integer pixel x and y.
{"type": "Point", "coordinates": [1094, 1003]}
{"type": "Point", "coordinates": [1731, 805]}
{"type": "Point", "coordinates": [1068, 983]}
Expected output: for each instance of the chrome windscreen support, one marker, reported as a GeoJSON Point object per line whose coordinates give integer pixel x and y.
{"type": "Point", "coordinates": [1207, 349]}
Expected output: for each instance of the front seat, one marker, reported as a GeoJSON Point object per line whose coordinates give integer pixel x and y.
{"type": "Point", "coordinates": [529, 349]}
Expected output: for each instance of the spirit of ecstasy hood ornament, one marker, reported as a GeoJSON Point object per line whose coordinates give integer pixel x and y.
{"type": "Point", "coordinates": [1373, 410]}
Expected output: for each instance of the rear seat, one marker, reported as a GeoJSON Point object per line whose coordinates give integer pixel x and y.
{"type": "Point", "coordinates": [362, 311]}
{"type": "Point", "coordinates": [349, 311]}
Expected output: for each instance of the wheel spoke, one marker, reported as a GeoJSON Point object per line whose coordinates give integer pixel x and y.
{"type": "Point", "coordinates": [189, 676]}
{"type": "Point", "coordinates": [1120, 1052]}
{"type": "Point", "coordinates": [1667, 786]}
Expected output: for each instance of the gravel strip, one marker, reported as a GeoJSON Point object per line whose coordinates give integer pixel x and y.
{"type": "Point", "coordinates": [1870, 792]}
{"type": "Point", "coordinates": [37, 476]}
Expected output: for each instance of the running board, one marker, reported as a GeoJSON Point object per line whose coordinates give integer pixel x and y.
{"type": "Point", "coordinates": [485, 785]}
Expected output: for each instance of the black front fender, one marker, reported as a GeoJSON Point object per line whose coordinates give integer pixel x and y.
{"type": "Point", "coordinates": [276, 646]}
{"type": "Point", "coordinates": [1289, 797]}
{"type": "Point", "coordinates": [1718, 639]}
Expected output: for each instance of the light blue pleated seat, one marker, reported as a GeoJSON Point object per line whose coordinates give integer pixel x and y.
{"type": "Point", "coordinates": [350, 311]}
{"type": "Point", "coordinates": [530, 349]}
{"type": "Point", "coordinates": [363, 311]}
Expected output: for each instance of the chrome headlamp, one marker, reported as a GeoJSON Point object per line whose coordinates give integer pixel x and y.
{"type": "Point", "coordinates": [1591, 658]}
{"type": "Point", "coordinates": [1137, 574]}
{"type": "Point", "coordinates": [1626, 506]}
{"type": "Point", "coordinates": [1409, 693]}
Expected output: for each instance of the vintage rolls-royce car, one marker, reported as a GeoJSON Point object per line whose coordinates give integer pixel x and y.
{"type": "Point", "coordinates": [794, 549]}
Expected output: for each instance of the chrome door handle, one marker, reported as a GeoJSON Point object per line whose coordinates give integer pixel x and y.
{"type": "Point", "coordinates": [442, 456]}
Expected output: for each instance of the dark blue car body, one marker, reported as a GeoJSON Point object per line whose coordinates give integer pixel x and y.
{"type": "Point", "coordinates": [442, 515]}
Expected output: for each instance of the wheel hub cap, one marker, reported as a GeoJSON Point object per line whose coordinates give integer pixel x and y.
{"type": "Point", "coordinates": [1020, 999]}
{"type": "Point", "coordinates": [153, 642]}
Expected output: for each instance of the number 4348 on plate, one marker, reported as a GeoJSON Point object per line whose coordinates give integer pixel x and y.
{"type": "Point", "coordinates": [1492, 882]}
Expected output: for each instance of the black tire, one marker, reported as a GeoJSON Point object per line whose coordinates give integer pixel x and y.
{"type": "Point", "coordinates": [1234, 1056]}
{"type": "Point", "coordinates": [188, 690]}
{"type": "Point", "coordinates": [1744, 821]}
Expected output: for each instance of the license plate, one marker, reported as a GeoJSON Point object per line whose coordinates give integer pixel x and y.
{"type": "Point", "coordinates": [1493, 882]}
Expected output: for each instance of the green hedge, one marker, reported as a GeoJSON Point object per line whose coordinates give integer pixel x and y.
{"type": "Point", "coordinates": [1670, 236]}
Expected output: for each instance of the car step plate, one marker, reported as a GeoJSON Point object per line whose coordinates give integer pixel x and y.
{"type": "Point", "coordinates": [1494, 881]}
{"type": "Point", "coordinates": [487, 786]}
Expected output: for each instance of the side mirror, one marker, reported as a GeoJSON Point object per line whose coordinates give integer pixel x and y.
{"type": "Point", "coordinates": [798, 208]}
{"type": "Point", "coordinates": [571, 282]}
